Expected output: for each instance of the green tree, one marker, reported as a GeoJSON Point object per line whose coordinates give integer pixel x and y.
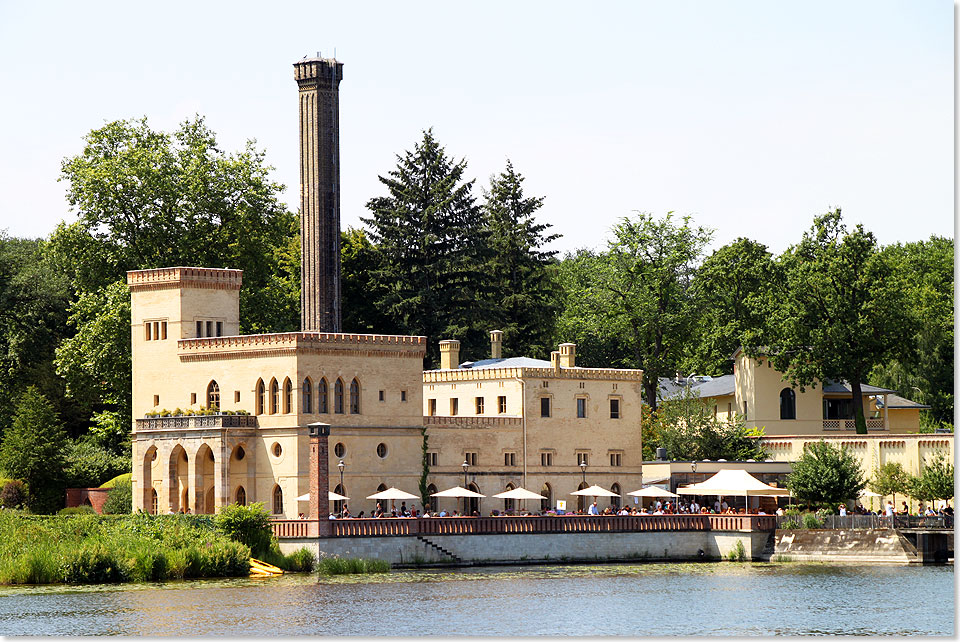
{"type": "Point", "coordinates": [248, 525]}
{"type": "Point", "coordinates": [32, 451]}
{"type": "Point", "coordinates": [147, 199]}
{"type": "Point", "coordinates": [358, 287]}
{"type": "Point", "coordinates": [686, 426]}
{"type": "Point", "coordinates": [431, 246]}
{"type": "Point", "coordinates": [95, 362]}
{"type": "Point", "coordinates": [730, 288]}
{"type": "Point", "coordinates": [922, 369]}
{"type": "Point", "coordinates": [837, 311]}
{"type": "Point", "coordinates": [890, 479]}
{"type": "Point", "coordinates": [33, 320]}
{"type": "Point", "coordinates": [87, 464]}
{"type": "Point", "coordinates": [521, 275]}
{"type": "Point", "coordinates": [639, 291]}
{"type": "Point", "coordinates": [826, 475]}
{"type": "Point", "coordinates": [936, 480]}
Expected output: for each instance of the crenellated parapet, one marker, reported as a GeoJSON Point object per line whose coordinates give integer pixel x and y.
{"type": "Point", "coordinates": [288, 343]}
{"type": "Point", "coordinates": [184, 277]}
{"type": "Point", "coordinates": [486, 374]}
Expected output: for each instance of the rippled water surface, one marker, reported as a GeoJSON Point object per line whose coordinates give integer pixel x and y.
{"type": "Point", "coordinates": [631, 600]}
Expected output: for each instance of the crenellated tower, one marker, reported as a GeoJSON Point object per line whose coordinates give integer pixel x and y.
{"type": "Point", "coordinates": [319, 82]}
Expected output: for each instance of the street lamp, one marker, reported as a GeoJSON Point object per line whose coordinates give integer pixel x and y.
{"type": "Point", "coordinates": [465, 466]}
{"type": "Point", "coordinates": [583, 472]}
{"type": "Point", "coordinates": [340, 466]}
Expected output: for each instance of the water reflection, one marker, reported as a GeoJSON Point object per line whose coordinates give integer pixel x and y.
{"type": "Point", "coordinates": [642, 599]}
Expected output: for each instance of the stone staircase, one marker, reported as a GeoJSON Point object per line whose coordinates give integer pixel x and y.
{"type": "Point", "coordinates": [439, 549]}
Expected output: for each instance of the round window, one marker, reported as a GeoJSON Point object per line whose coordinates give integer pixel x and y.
{"type": "Point", "coordinates": [240, 453]}
{"type": "Point", "coordinates": [339, 450]}
{"type": "Point", "coordinates": [381, 450]}
{"type": "Point", "coordinates": [277, 450]}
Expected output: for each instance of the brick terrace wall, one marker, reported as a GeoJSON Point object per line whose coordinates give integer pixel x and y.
{"type": "Point", "coordinates": [95, 497]}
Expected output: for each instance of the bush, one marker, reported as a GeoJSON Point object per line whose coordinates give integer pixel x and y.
{"type": "Point", "coordinates": [13, 494]}
{"type": "Point", "coordinates": [119, 499]}
{"type": "Point", "coordinates": [811, 521]}
{"type": "Point", "coordinates": [78, 510]}
{"type": "Point", "coordinates": [110, 483]}
{"type": "Point", "coordinates": [737, 553]}
{"type": "Point", "coordinates": [300, 561]}
{"type": "Point", "coordinates": [94, 564]}
{"type": "Point", "coordinates": [248, 525]}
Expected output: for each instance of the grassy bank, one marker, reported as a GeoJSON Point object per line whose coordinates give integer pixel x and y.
{"type": "Point", "coordinates": [351, 566]}
{"type": "Point", "coordinates": [84, 549]}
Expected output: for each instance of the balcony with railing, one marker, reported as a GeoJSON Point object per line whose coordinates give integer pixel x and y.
{"type": "Point", "coordinates": [182, 422]}
{"type": "Point", "coordinates": [851, 424]}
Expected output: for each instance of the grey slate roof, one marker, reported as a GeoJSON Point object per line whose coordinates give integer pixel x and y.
{"type": "Point", "coordinates": [713, 387]}
{"type": "Point", "coordinates": [896, 401]}
{"type": "Point", "coordinates": [835, 387]}
{"type": "Point", "coordinates": [510, 362]}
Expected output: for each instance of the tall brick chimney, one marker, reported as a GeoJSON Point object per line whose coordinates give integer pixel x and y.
{"type": "Point", "coordinates": [319, 82]}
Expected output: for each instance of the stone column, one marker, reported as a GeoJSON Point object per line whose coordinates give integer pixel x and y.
{"type": "Point", "coordinates": [320, 476]}
{"type": "Point", "coordinates": [251, 483]}
{"type": "Point", "coordinates": [193, 474]}
{"type": "Point", "coordinates": [166, 481]}
{"type": "Point", "coordinates": [221, 474]}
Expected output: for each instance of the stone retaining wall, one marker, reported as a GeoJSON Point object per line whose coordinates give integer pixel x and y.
{"type": "Point", "coordinates": [491, 549]}
{"type": "Point", "coordinates": [837, 545]}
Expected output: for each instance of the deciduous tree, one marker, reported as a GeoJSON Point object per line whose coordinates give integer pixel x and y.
{"type": "Point", "coordinates": [826, 475]}
{"type": "Point", "coordinates": [838, 310]}
{"type": "Point", "coordinates": [889, 479]}
{"type": "Point", "coordinates": [639, 291]}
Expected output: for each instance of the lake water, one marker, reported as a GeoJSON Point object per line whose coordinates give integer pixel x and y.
{"type": "Point", "coordinates": [624, 599]}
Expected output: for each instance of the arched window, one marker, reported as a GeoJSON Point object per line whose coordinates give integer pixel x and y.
{"type": "Point", "coordinates": [307, 396]}
{"type": "Point", "coordinates": [338, 503]}
{"type": "Point", "coordinates": [547, 502]}
{"type": "Point", "coordinates": [274, 396]}
{"type": "Point", "coordinates": [213, 395]}
{"type": "Point", "coordinates": [322, 398]}
{"type": "Point", "coordinates": [615, 501]}
{"type": "Point", "coordinates": [472, 503]}
{"type": "Point", "coordinates": [508, 504]}
{"type": "Point", "coordinates": [338, 397]}
{"type": "Point", "coordinates": [431, 489]}
{"type": "Point", "coordinates": [788, 404]}
{"type": "Point", "coordinates": [354, 397]}
{"type": "Point", "coordinates": [154, 501]}
{"type": "Point", "coordinates": [581, 499]}
{"type": "Point", "coordinates": [287, 396]}
{"type": "Point", "coordinates": [241, 496]}
{"type": "Point", "coordinates": [277, 500]}
{"type": "Point", "coordinates": [261, 402]}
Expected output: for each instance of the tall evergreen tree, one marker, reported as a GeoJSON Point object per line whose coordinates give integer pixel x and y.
{"type": "Point", "coordinates": [33, 451]}
{"type": "Point", "coordinates": [524, 277]}
{"type": "Point", "coordinates": [431, 246]}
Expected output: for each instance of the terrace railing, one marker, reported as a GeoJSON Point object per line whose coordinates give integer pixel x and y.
{"type": "Point", "coordinates": [196, 421]}
{"type": "Point", "coordinates": [392, 527]}
{"type": "Point", "coordinates": [853, 522]}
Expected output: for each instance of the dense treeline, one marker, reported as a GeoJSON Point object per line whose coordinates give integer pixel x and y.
{"type": "Point", "coordinates": [438, 259]}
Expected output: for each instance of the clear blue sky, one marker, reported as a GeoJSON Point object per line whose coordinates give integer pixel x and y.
{"type": "Point", "coordinates": [752, 117]}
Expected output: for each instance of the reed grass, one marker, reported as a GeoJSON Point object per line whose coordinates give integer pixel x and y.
{"type": "Point", "coordinates": [84, 549]}
{"type": "Point", "coordinates": [352, 566]}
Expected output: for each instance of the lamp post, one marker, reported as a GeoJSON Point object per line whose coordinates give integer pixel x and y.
{"type": "Point", "coordinates": [340, 465]}
{"type": "Point", "coordinates": [583, 478]}
{"type": "Point", "coordinates": [693, 469]}
{"type": "Point", "coordinates": [465, 466]}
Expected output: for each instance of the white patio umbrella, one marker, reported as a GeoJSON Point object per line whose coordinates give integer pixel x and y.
{"type": "Point", "coordinates": [652, 491]}
{"type": "Point", "coordinates": [393, 494]}
{"type": "Point", "coordinates": [332, 496]}
{"type": "Point", "coordinates": [458, 491]}
{"type": "Point", "coordinates": [595, 491]}
{"type": "Point", "coordinates": [519, 493]}
{"type": "Point", "coordinates": [733, 482]}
